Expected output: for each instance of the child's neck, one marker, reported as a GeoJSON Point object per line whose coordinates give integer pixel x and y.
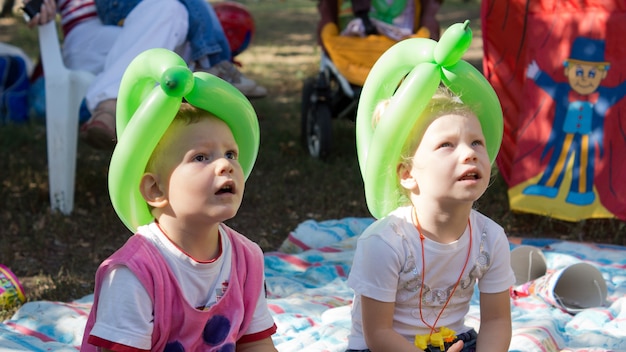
{"type": "Point", "coordinates": [201, 245]}
{"type": "Point", "coordinates": [443, 226]}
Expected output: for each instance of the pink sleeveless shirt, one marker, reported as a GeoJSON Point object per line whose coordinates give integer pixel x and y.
{"type": "Point", "coordinates": [177, 325]}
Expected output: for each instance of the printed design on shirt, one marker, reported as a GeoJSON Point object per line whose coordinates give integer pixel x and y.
{"type": "Point", "coordinates": [219, 293]}
{"type": "Point", "coordinates": [410, 278]}
{"type": "Point", "coordinates": [174, 346]}
{"type": "Point", "coordinates": [480, 267]}
{"type": "Point", "coordinates": [216, 331]}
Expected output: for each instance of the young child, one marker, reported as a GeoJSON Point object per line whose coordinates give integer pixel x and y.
{"type": "Point", "coordinates": [414, 270]}
{"type": "Point", "coordinates": [186, 281]}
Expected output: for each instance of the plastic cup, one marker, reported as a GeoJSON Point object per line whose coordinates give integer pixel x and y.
{"type": "Point", "coordinates": [572, 289]}
{"type": "Point", "coordinates": [528, 263]}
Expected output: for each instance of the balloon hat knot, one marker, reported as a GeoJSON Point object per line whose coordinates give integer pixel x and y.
{"type": "Point", "coordinates": [177, 81]}
{"type": "Point", "coordinates": [453, 44]}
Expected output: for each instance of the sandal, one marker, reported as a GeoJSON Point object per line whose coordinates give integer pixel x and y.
{"type": "Point", "coordinates": [99, 130]}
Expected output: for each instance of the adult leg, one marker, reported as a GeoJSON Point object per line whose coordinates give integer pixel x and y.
{"type": "Point", "coordinates": [151, 24]}
{"type": "Point", "coordinates": [87, 45]}
{"type": "Point", "coordinates": [210, 50]}
{"type": "Point", "coordinates": [207, 40]}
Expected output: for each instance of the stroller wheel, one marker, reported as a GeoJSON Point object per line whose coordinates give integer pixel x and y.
{"type": "Point", "coordinates": [319, 130]}
{"type": "Point", "coordinates": [308, 90]}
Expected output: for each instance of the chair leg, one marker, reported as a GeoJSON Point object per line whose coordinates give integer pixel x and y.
{"type": "Point", "coordinates": [65, 90]}
{"type": "Point", "coordinates": [63, 99]}
{"type": "Point", "coordinates": [61, 146]}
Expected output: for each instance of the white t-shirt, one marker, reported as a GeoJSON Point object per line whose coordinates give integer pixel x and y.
{"type": "Point", "coordinates": [388, 267]}
{"type": "Point", "coordinates": [125, 308]}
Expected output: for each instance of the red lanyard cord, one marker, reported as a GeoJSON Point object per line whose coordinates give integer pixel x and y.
{"type": "Point", "coordinates": [469, 250]}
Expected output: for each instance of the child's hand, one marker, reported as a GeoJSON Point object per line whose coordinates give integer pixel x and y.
{"type": "Point", "coordinates": [456, 347]}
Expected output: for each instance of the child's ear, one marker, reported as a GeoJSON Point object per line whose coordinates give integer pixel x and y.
{"type": "Point", "coordinates": [151, 191]}
{"type": "Point", "coordinates": [407, 180]}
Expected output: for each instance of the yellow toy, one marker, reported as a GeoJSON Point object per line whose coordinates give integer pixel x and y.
{"type": "Point", "coordinates": [437, 340]}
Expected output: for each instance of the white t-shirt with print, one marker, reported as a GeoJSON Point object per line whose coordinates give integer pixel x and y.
{"type": "Point", "coordinates": [388, 267]}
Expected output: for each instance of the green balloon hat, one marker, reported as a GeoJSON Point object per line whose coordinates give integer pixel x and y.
{"type": "Point", "coordinates": [418, 66]}
{"type": "Point", "coordinates": [151, 92]}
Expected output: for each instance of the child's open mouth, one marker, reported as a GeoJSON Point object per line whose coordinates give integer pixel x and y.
{"type": "Point", "coordinates": [226, 189]}
{"type": "Point", "coordinates": [470, 176]}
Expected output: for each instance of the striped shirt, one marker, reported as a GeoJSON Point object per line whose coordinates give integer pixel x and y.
{"type": "Point", "coordinates": [74, 12]}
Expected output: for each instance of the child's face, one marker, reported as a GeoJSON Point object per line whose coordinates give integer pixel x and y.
{"type": "Point", "coordinates": [202, 177]}
{"type": "Point", "coordinates": [451, 163]}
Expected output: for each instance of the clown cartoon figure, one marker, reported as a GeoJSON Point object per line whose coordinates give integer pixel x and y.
{"type": "Point", "coordinates": [578, 127]}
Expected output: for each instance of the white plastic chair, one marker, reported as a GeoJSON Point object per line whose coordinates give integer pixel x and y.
{"type": "Point", "coordinates": [65, 89]}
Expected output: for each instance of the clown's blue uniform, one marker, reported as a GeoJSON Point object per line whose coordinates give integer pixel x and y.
{"type": "Point", "coordinates": [578, 128]}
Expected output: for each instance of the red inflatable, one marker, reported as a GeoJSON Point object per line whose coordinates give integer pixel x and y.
{"type": "Point", "coordinates": [559, 69]}
{"type": "Point", "coordinates": [238, 24]}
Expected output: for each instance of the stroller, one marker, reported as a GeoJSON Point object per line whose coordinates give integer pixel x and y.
{"type": "Point", "coordinates": [345, 63]}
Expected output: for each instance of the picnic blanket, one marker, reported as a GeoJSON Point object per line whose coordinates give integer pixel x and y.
{"type": "Point", "coordinates": [310, 301]}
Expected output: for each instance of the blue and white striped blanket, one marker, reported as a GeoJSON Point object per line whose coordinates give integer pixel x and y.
{"type": "Point", "coordinates": [310, 301]}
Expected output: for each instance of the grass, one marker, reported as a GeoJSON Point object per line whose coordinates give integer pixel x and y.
{"type": "Point", "coordinates": [56, 256]}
